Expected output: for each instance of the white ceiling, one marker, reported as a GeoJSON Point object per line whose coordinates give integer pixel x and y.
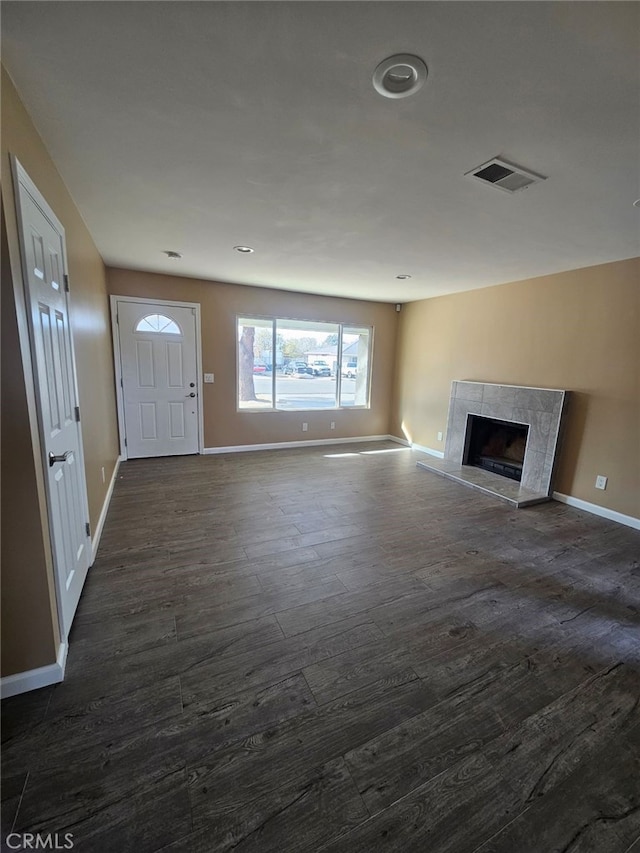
{"type": "Point", "coordinates": [198, 126]}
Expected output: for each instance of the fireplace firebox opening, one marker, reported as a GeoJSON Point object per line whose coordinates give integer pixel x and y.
{"type": "Point", "coordinates": [496, 445]}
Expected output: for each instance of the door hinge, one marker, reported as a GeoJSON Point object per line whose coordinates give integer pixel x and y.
{"type": "Point", "coordinates": [125, 442]}
{"type": "Point", "coordinates": [76, 409]}
{"type": "Point", "coordinates": [66, 282]}
{"type": "Point", "coordinates": [87, 527]}
{"type": "Point", "coordinates": [121, 383]}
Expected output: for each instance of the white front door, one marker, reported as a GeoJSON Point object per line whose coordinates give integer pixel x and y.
{"type": "Point", "coordinates": [159, 378]}
{"type": "Point", "coordinates": [44, 260]}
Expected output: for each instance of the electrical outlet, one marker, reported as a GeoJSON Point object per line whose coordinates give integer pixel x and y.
{"type": "Point", "coordinates": [305, 427]}
{"type": "Point", "coordinates": [333, 424]}
{"type": "Point", "coordinates": [103, 476]}
{"type": "Point", "coordinates": [439, 436]}
{"type": "Point", "coordinates": [208, 377]}
{"type": "Point", "coordinates": [601, 482]}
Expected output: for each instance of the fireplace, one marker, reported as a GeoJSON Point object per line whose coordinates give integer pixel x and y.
{"type": "Point", "coordinates": [507, 430]}
{"type": "Point", "coordinates": [496, 445]}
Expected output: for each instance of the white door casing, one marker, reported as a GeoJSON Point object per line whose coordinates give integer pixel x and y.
{"type": "Point", "coordinates": [158, 364]}
{"type": "Point", "coordinates": [45, 273]}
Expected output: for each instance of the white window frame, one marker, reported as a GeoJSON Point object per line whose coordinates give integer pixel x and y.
{"type": "Point", "coordinates": [261, 318]}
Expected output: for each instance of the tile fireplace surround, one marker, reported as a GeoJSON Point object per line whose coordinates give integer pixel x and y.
{"type": "Point", "coordinates": [539, 408]}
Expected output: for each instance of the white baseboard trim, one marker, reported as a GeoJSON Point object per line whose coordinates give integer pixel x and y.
{"type": "Point", "coordinates": [33, 679]}
{"type": "Point", "coordinates": [428, 450]}
{"type": "Point", "coordinates": [419, 447]}
{"type": "Point", "coordinates": [402, 441]}
{"type": "Point", "coordinates": [282, 445]}
{"type": "Point", "coordinates": [95, 539]}
{"type": "Point", "coordinates": [603, 512]}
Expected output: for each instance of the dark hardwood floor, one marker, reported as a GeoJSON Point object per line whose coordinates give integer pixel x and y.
{"type": "Point", "coordinates": [327, 649]}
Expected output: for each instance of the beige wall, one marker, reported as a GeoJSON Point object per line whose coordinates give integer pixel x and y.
{"type": "Point", "coordinates": [25, 576]}
{"type": "Point", "coordinates": [220, 304]}
{"type": "Point", "coordinates": [577, 330]}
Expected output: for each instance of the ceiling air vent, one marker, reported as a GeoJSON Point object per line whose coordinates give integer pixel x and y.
{"type": "Point", "coordinates": [504, 176]}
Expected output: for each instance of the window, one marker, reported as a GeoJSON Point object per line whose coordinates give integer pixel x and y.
{"type": "Point", "coordinates": [356, 345]}
{"type": "Point", "coordinates": [297, 364]}
{"type": "Point", "coordinates": [158, 323]}
{"type": "Point", "coordinates": [255, 342]}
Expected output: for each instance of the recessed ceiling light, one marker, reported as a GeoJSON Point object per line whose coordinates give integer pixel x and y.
{"type": "Point", "coordinates": [399, 76]}
{"type": "Point", "coordinates": [175, 256]}
{"type": "Point", "coordinates": [403, 276]}
{"type": "Point", "coordinates": [245, 250]}
{"type": "Point", "coordinates": [636, 203]}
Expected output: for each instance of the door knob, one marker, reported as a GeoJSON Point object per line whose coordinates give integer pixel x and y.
{"type": "Point", "coordinates": [192, 394]}
{"type": "Point", "coordinates": [62, 458]}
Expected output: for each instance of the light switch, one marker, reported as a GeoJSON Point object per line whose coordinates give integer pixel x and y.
{"type": "Point", "coordinates": [208, 377]}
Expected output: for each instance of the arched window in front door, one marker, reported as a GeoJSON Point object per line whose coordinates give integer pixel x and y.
{"type": "Point", "coordinates": [158, 323]}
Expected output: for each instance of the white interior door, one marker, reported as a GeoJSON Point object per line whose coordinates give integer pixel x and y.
{"type": "Point", "coordinates": [44, 256]}
{"type": "Point", "coordinates": [159, 378]}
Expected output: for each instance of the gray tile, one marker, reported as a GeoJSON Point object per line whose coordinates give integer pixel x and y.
{"type": "Point", "coordinates": [503, 394]}
{"type": "Point", "coordinates": [456, 433]}
{"type": "Point", "coordinates": [503, 412]}
{"type": "Point", "coordinates": [536, 398]}
{"type": "Point", "coordinates": [546, 481]}
{"type": "Point", "coordinates": [540, 424]}
{"type": "Point", "coordinates": [455, 444]}
{"type": "Point", "coordinates": [554, 435]}
{"type": "Point", "coordinates": [471, 391]}
{"type": "Point", "coordinates": [559, 402]}
{"type": "Point", "coordinates": [533, 471]}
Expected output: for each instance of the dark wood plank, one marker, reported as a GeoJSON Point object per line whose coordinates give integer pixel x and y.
{"type": "Point", "coordinates": [21, 713]}
{"type": "Point", "coordinates": [301, 617]}
{"type": "Point", "coordinates": [140, 804]}
{"type": "Point", "coordinates": [72, 728]}
{"type": "Point", "coordinates": [273, 646]}
{"type": "Point", "coordinates": [191, 620]}
{"type": "Point", "coordinates": [12, 791]}
{"type": "Point", "coordinates": [285, 750]}
{"type": "Point", "coordinates": [483, 692]}
{"type": "Point", "coordinates": [464, 806]}
{"type": "Point", "coordinates": [300, 814]}
{"type": "Point", "coordinates": [151, 666]}
{"type": "Point", "coordinates": [597, 808]}
{"type": "Point", "coordinates": [274, 661]}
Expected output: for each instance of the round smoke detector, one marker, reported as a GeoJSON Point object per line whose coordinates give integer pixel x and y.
{"type": "Point", "coordinates": [399, 76]}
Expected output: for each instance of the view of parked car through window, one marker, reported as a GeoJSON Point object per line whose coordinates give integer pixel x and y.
{"type": "Point", "coordinates": [297, 364]}
{"type": "Point", "coordinates": [319, 367]}
{"type": "Point", "coordinates": [297, 368]}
